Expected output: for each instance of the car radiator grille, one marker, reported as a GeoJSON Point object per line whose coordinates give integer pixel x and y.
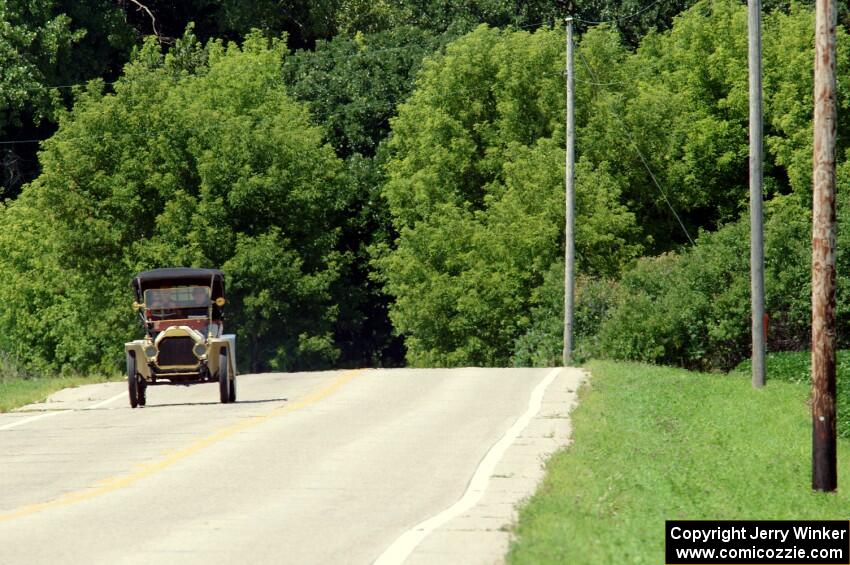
{"type": "Point", "coordinates": [176, 351]}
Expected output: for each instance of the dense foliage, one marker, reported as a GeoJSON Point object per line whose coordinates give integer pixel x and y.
{"type": "Point", "coordinates": [484, 125]}
{"type": "Point", "coordinates": [199, 158]}
{"type": "Point", "coordinates": [383, 181]}
{"type": "Point", "coordinates": [692, 308]}
{"type": "Point", "coordinates": [476, 192]}
{"type": "Point", "coordinates": [46, 45]}
{"type": "Point", "coordinates": [352, 86]}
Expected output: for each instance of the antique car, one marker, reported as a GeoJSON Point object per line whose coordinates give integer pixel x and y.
{"type": "Point", "coordinates": [182, 312]}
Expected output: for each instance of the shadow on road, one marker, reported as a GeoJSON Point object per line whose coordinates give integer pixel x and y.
{"type": "Point", "coordinates": [172, 404]}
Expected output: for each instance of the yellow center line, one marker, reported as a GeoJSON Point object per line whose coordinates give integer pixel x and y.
{"type": "Point", "coordinates": [112, 484]}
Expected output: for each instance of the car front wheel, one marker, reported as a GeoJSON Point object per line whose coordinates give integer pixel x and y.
{"type": "Point", "coordinates": [223, 378]}
{"type": "Point", "coordinates": [132, 381]}
{"type": "Point", "coordinates": [143, 391]}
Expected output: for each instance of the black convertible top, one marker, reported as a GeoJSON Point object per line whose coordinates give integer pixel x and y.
{"type": "Point", "coordinates": [182, 276]}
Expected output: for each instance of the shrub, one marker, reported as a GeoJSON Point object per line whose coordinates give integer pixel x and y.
{"type": "Point", "coordinates": [690, 308]}
{"type": "Point", "coordinates": [542, 344]}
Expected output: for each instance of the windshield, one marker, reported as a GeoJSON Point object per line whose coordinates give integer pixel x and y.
{"type": "Point", "coordinates": [177, 298]}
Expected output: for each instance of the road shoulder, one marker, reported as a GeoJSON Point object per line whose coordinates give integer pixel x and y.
{"type": "Point", "coordinates": [482, 534]}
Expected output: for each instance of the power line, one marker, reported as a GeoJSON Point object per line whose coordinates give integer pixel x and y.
{"type": "Point", "coordinates": [621, 18]}
{"type": "Point", "coordinates": [21, 141]}
{"type": "Point", "coordinates": [149, 134]}
{"type": "Point", "coordinates": [592, 83]}
{"type": "Point", "coordinates": [364, 50]}
{"type": "Point", "coordinates": [596, 22]}
{"type": "Point", "coordinates": [80, 84]}
{"type": "Point", "coordinates": [642, 158]}
{"type": "Point", "coordinates": [535, 24]}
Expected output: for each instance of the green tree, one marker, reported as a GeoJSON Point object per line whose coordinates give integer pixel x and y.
{"type": "Point", "coordinates": [678, 106]}
{"type": "Point", "coordinates": [454, 16]}
{"type": "Point", "coordinates": [681, 99]}
{"type": "Point", "coordinates": [475, 189]}
{"type": "Point", "coordinates": [213, 167]}
{"type": "Point", "coordinates": [353, 86]}
{"type": "Point", "coordinates": [46, 45]}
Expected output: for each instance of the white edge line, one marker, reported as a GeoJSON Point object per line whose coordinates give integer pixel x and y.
{"type": "Point", "coordinates": [56, 413]}
{"type": "Point", "coordinates": [32, 419]}
{"type": "Point", "coordinates": [402, 547]}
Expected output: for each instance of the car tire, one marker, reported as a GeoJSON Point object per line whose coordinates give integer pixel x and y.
{"type": "Point", "coordinates": [143, 391]}
{"type": "Point", "coordinates": [231, 392]}
{"type": "Point", "coordinates": [223, 378]}
{"type": "Point", "coordinates": [132, 381]}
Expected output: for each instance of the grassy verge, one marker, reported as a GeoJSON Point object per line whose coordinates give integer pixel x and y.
{"type": "Point", "coordinates": [654, 443]}
{"type": "Point", "coordinates": [20, 391]}
{"type": "Point", "coordinates": [796, 367]}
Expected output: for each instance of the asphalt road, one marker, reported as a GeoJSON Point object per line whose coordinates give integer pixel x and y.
{"type": "Point", "coordinates": [330, 467]}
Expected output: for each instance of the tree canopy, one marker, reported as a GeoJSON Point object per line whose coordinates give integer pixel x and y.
{"type": "Point", "coordinates": [373, 175]}
{"type": "Point", "coordinates": [45, 46]}
{"type": "Point", "coordinates": [476, 171]}
{"type": "Point", "coordinates": [475, 190]}
{"type": "Point", "coordinates": [199, 158]}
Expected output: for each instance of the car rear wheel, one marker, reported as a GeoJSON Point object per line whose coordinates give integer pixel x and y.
{"type": "Point", "coordinates": [223, 378]}
{"type": "Point", "coordinates": [132, 381]}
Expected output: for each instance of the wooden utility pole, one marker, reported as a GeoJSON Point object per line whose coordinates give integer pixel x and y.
{"type": "Point", "coordinates": [569, 243]}
{"type": "Point", "coordinates": [756, 221]}
{"type": "Point", "coordinates": [824, 474]}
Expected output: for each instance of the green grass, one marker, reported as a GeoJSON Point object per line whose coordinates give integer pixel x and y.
{"type": "Point", "coordinates": [19, 391]}
{"type": "Point", "coordinates": [795, 367]}
{"type": "Point", "coordinates": [652, 444]}
{"type": "Point", "coordinates": [20, 386]}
